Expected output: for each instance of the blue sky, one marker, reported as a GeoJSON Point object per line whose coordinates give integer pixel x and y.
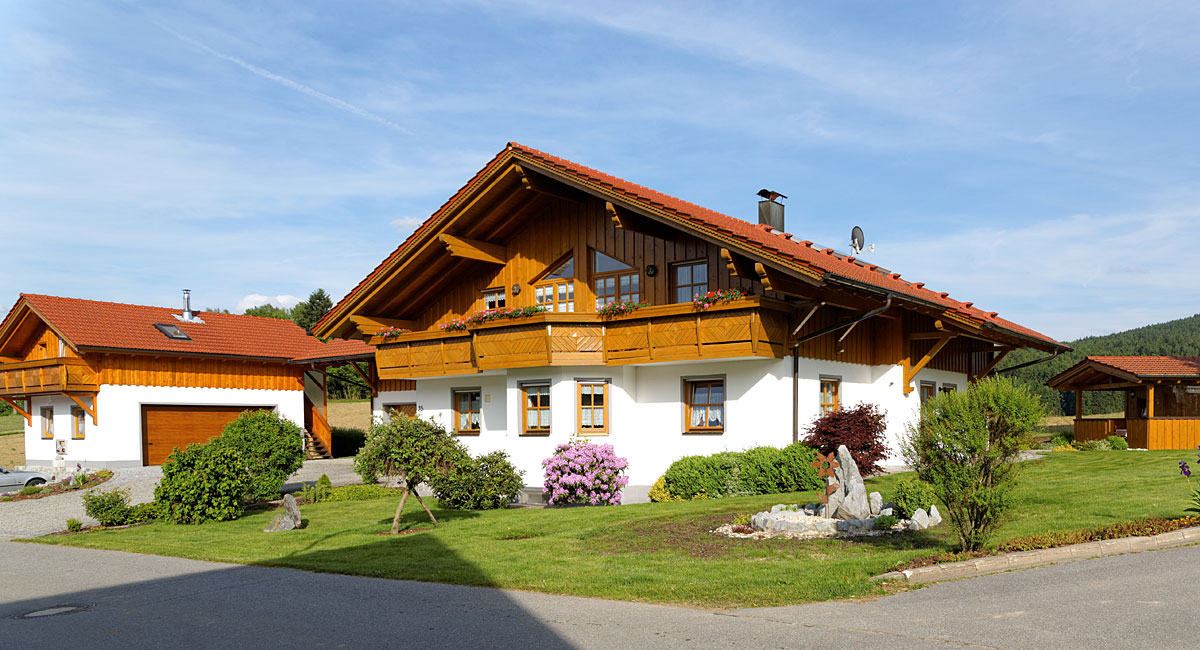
{"type": "Point", "coordinates": [1039, 159]}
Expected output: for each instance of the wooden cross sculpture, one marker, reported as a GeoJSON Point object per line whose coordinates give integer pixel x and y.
{"type": "Point", "coordinates": [825, 465]}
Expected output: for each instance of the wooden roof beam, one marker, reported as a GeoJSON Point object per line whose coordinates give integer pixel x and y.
{"type": "Point", "coordinates": [1001, 353]}
{"type": "Point", "coordinates": [475, 250]}
{"type": "Point", "coordinates": [779, 281]}
{"type": "Point", "coordinates": [369, 325]}
{"type": "Point", "coordinates": [633, 222]}
{"type": "Point", "coordinates": [910, 371]}
{"type": "Point", "coordinates": [16, 407]}
{"type": "Point", "coordinates": [542, 185]}
{"type": "Point", "coordinates": [739, 265]}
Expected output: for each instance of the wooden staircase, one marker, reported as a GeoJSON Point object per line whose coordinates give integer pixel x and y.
{"type": "Point", "coordinates": [313, 447]}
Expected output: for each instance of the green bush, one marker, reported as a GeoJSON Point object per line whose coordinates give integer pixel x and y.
{"type": "Point", "coordinates": [144, 512]}
{"type": "Point", "coordinates": [204, 482]}
{"type": "Point", "coordinates": [271, 447]}
{"type": "Point", "coordinates": [884, 522]}
{"type": "Point", "coordinates": [362, 493]}
{"type": "Point", "coordinates": [912, 494]}
{"type": "Point", "coordinates": [110, 508]}
{"type": "Point", "coordinates": [482, 483]}
{"type": "Point", "coordinates": [1093, 445]}
{"type": "Point", "coordinates": [1118, 443]}
{"type": "Point", "coordinates": [74, 525]}
{"type": "Point", "coordinates": [1061, 440]}
{"type": "Point", "coordinates": [30, 489]}
{"type": "Point", "coordinates": [347, 441]}
{"type": "Point", "coordinates": [966, 444]}
{"type": "Point", "coordinates": [318, 491]}
{"type": "Point", "coordinates": [761, 470]}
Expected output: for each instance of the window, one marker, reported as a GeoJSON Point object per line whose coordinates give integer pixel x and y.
{"type": "Point", "coordinates": [79, 422]}
{"type": "Point", "coordinates": [493, 299]}
{"type": "Point", "coordinates": [928, 391]}
{"type": "Point", "coordinates": [705, 405]}
{"type": "Point", "coordinates": [613, 280]}
{"type": "Point", "coordinates": [47, 423]}
{"type": "Point", "coordinates": [467, 404]}
{"type": "Point", "coordinates": [556, 291]}
{"type": "Point", "coordinates": [831, 389]}
{"type": "Point", "coordinates": [172, 332]}
{"type": "Point", "coordinates": [949, 388]}
{"type": "Point", "coordinates": [593, 407]}
{"type": "Point", "coordinates": [691, 279]}
{"type": "Point", "coordinates": [536, 399]}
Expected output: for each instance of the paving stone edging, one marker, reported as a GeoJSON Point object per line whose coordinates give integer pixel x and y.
{"type": "Point", "coordinates": [1027, 559]}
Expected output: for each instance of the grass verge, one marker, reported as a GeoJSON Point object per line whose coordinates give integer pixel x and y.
{"type": "Point", "coordinates": [658, 552]}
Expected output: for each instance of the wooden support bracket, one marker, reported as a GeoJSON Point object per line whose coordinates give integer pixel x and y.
{"type": "Point", "coordinates": [25, 412]}
{"type": "Point", "coordinates": [739, 265]}
{"type": "Point", "coordinates": [804, 321]}
{"type": "Point", "coordinates": [475, 250]}
{"type": "Point", "coordinates": [911, 371]}
{"type": "Point", "coordinates": [91, 410]}
{"type": "Point", "coordinates": [371, 383]}
{"type": "Point", "coordinates": [628, 220]}
{"type": "Point", "coordinates": [542, 185]}
{"type": "Point", "coordinates": [1002, 352]}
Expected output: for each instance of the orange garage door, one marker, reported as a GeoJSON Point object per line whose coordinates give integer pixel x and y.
{"type": "Point", "coordinates": [166, 426]}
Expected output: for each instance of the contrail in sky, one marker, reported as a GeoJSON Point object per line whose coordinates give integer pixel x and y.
{"type": "Point", "coordinates": [267, 74]}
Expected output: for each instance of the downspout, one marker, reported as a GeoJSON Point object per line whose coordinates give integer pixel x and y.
{"type": "Point", "coordinates": [796, 359]}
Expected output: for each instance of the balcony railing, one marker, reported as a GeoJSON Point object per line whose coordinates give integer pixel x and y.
{"type": "Point", "coordinates": [751, 327]}
{"type": "Point", "coordinates": [60, 375]}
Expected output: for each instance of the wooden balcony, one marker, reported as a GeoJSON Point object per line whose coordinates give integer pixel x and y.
{"type": "Point", "coordinates": [47, 376]}
{"type": "Point", "coordinates": [752, 327]}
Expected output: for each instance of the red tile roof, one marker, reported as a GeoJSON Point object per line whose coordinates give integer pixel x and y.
{"type": "Point", "coordinates": [782, 246]}
{"type": "Point", "coordinates": [1153, 366]}
{"type": "Point", "coordinates": [110, 325]}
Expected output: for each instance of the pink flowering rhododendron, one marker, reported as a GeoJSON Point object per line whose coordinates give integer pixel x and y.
{"type": "Point", "coordinates": [584, 472]}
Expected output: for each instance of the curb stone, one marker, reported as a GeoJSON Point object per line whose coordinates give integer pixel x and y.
{"type": "Point", "coordinates": [1040, 557]}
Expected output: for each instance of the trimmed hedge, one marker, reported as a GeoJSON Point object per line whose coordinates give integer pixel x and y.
{"type": "Point", "coordinates": [204, 482]}
{"type": "Point", "coordinates": [483, 483]}
{"type": "Point", "coordinates": [761, 470]}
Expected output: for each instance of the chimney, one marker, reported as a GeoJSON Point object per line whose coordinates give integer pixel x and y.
{"type": "Point", "coordinates": [188, 316]}
{"type": "Point", "coordinates": [770, 210]}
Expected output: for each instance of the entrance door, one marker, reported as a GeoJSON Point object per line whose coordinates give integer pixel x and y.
{"type": "Point", "coordinates": [166, 426]}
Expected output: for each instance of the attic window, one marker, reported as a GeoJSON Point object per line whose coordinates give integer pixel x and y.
{"type": "Point", "coordinates": [172, 332]}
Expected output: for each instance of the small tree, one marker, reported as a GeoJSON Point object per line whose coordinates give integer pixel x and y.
{"type": "Point", "coordinates": [965, 446]}
{"type": "Point", "coordinates": [410, 452]}
{"type": "Point", "coordinates": [271, 446]}
{"type": "Point", "coordinates": [862, 428]}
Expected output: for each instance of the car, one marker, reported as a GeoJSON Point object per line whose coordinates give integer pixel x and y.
{"type": "Point", "coordinates": [12, 480]}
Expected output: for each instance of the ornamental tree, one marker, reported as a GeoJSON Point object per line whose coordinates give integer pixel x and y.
{"type": "Point", "coordinates": [966, 445]}
{"type": "Point", "coordinates": [862, 428]}
{"type": "Point", "coordinates": [409, 451]}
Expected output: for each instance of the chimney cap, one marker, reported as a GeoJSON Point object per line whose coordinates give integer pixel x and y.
{"type": "Point", "coordinates": [771, 195]}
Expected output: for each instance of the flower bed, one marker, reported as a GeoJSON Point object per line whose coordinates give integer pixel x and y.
{"type": "Point", "coordinates": [69, 484]}
{"type": "Point", "coordinates": [490, 315]}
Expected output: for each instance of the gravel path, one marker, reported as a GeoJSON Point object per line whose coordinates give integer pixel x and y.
{"type": "Point", "coordinates": [35, 517]}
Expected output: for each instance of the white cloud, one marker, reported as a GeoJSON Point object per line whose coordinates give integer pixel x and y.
{"type": "Point", "coordinates": [407, 224]}
{"type": "Point", "coordinates": [257, 300]}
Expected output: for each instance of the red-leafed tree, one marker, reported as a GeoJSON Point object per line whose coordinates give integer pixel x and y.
{"type": "Point", "coordinates": [861, 428]}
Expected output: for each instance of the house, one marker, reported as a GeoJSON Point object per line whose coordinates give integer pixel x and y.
{"type": "Point", "coordinates": [1162, 399]}
{"type": "Point", "coordinates": [517, 311]}
{"type": "Point", "coordinates": [111, 385]}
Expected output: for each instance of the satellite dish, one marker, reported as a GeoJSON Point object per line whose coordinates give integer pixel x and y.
{"type": "Point", "coordinates": [858, 241]}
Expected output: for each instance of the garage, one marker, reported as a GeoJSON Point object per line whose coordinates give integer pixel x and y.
{"type": "Point", "coordinates": [166, 426]}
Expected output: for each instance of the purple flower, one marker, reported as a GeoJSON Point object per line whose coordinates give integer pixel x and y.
{"type": "Point", "coordinates": [1184, 469]}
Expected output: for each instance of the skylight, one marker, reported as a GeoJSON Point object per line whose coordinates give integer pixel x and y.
{"type": "Point", "coordinates": [172, 332]}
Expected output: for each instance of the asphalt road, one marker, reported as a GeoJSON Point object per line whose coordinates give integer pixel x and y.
{"type": "Point", "coordinates": [1145, 600]}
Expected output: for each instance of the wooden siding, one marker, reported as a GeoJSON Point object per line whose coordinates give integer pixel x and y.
{"type": "Point", "coordinates": [46, 376]}
{"type": "Point", "coordinates": [396, 385]}
{"type": "Point", "coordinates": [555, 227]}
{"type": "Point", "coordinates": [45, 346]}
{"type": "Point", "coordinates": [1097, 428]}
{"type": "Point", "coordinates": [1154, 433]}
{"type": "Point", "coordinates": [194, 372]}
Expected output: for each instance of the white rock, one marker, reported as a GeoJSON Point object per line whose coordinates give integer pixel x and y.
{"type": "Point", "coordinates": [876, 501]}
{"type": "Point", "coordinates": [935, 517]}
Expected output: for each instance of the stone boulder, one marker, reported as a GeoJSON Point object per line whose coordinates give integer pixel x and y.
{"type": "Point", "coordinates": [853, 503]}
{"type": "Point", "coordinates": [935, 517]}
{"type": "Point", "coordinates": [919, 521]}
{"type": "Point", "coordinates": [280, 523]}
{"type": "Point", "coordinates": [876, 500]}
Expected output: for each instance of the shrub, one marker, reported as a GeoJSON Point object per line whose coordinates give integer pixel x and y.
{"type": "Point", "coordinates": [912, 494]}
{"type": "Point", "coordinates": [110, 508]}
{"type": "Point", "coordinates": [79, 480]}
{"type": "Point", "coordinates": [761, 470]}
{"type": "Point", "coordinates": [1118, 443]}
{"type": "Point", "coordinates": [204, 482]}
{"type": "Point", "coordinates": [482, 483]}
{"type": "Point", "coordinates": [30, 489]}
{"type": "Point", "coordinates": [362, 493]}
{"type": "Point", "coordinates": [658, 492]}
{"type": "Point", "coordinates": [318, 491]}
{"type": "Point", "coordinates": [74, 525]}
{"type": "Point", "coordinates": [1092, 445]}
{"type": "Point", "coordinates": [742, 520]}
{"type": "Point", "coordinates": [584, 472]}
{"type": "Point", "coordinates": [1062, 440]}
{"type": "Point", "coordinates": [862, 428]}
{"type": "Point", "coordinates": [144, 512]}
{"type": "Point", "coordinates": [346, 441]}
{"type": "Point", "coordinates": [1064, 448]}
{"type": "Point", "coordinates": [271, 447]}
{"type": "Point", "coordinates": [885, 522]}
{"type": "Point", "coordinates": [965, 445]}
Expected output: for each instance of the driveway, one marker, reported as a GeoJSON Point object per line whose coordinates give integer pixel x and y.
{"type": "Point", "coordinates": [35, 517]}
{"type": "Point", "coordinates": [1138, 601]}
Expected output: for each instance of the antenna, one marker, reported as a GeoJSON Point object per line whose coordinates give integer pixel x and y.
{"type": "Point", "coordinates": [858, 241]}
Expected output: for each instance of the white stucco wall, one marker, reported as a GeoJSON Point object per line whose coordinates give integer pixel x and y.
{"type": "Point", "coordinates": [646, 410]}
{"type": "Point", "coordinates": [117, 440]}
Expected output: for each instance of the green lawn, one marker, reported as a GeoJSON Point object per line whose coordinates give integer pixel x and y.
{"type": "Point", "coordinates": [11, 423]}
{"type": "Point", "coordinates": [652, 552]}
